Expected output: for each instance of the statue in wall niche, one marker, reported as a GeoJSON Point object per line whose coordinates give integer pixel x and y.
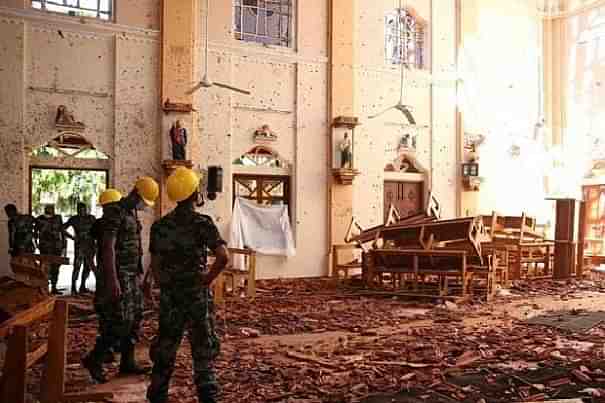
{"type": "Point", "coordinates": [346, 152]}
{"type": "Point", "coordinates": [66, 119]}
{"type": "Point", "coordinates": [264, 133]}
{"type": "Point", "coordinates": [178, 139]}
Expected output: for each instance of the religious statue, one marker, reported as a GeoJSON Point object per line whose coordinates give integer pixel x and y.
{"type": "Point", "coordinates": [264, 134]}
{"type": "Point", "coordinates": [178, 138]}
{"type": "Point", "coordinates": [346, 152]}
{"type": "Point", "coordinates": [66, 118]}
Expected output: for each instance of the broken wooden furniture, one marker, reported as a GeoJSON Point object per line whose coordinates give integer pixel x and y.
{"type": "Point", "coordinates": [29, 283]}
{"type": "Point", "coordinates": [352, 253]}
{"type": "Point", "coordinates": [234, 276]}
{"type": "Point", "coordinates": [457, 272]}
{"type": "Point", "coordinates": [18, 358]}
{"type": "Point", "coordinates": [446, 250]}
{"type": "Point", "coordinates": [362, 237]}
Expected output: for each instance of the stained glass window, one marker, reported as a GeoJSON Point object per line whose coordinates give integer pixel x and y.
{"type": "Point", "coordinates": [404, 39]}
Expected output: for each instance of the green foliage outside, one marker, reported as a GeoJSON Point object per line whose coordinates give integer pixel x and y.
{"type": "Point", "coordinates": [66, 188]}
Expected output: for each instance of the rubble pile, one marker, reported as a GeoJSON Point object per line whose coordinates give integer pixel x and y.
{"type": "Point", "coordinates": [307, 341]}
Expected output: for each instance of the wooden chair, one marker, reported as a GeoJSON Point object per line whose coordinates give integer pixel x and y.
{"type": "Point", "coordinates": [234, 276]}
{"type": "Point", "coordinates": [19, 358]}
{"type": "Point", "coordinates": [353, 256]}
{"type": "Point", "coordinates": [529, 254]}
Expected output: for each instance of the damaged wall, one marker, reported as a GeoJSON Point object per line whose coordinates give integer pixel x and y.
{"type": "Point", "coordinates": [108, 76]}
{"type": "Point", "coordinates": [429, 91]}
{"type": "Point", "coordinates": [289, 93]}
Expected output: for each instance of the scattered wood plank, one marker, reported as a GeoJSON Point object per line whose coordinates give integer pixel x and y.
{"type": "Point", "coordinates": [308, 358]}
{"type": "Point", "coordinates": [36, 355]}
{"type": "Point", "coordinates": [23, 318]}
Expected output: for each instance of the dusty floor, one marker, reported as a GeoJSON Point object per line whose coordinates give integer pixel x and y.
{"type": "Point", "coordinates": [307, 341]}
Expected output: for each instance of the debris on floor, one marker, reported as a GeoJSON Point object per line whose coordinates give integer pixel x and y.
{"type": "Point", "coordinates": [573, 321]}
{"type": "Point", "coordinates": [309, 341]}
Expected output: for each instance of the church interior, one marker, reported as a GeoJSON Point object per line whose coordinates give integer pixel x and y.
{"type": "Point", "coordinates": [453, 184]}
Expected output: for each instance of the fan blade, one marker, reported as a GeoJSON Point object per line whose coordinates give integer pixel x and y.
{"type": "Point", "coordinates": [195, 88]}
{"type": "Point", "coordinates": [381, 113]}
{"type": "Point", "coordinates": [408, 115]}
{"type": "Point", "coordinates": [228, 87]}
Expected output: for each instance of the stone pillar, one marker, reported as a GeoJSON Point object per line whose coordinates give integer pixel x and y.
{"type": "Point", "coordinates": [179, 33]}
{"type": "Point", "coordinates": [342, 103]}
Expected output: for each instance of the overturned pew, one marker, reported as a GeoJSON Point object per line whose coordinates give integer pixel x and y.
{"type": "Point", "coordinates": [362, 237]}
{"type": "Point", "coordinates": [444, 256]}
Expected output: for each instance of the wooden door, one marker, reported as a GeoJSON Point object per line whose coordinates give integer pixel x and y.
{"type": "Point", "coordinates": [407, 197]}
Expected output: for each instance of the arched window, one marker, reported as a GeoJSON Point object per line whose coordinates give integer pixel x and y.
{"type": "Point", "coordinates": [259, 156]}
{"type": "Point", "coordinates": [68, 145]}
{"type": "Point", "coordinates": [405, 38]}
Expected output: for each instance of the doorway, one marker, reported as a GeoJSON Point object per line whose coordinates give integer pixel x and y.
{"type": "Point", "coordinates": [407, 197]}
{"type": "Point", "coordinates": [65, 188]}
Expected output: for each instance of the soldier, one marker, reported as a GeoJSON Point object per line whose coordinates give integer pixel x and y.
{"type": "Point", "coordinates": [106, 313]}
{"type": "Point", "coordinates": [51, 241]}
{"type": "Point", "coordinates": [179, 243]}
{"type": "Point", "coordinates": [20, 231]}
{"type": "Point", "coordinates": [122, 265]}
{"type": "Point", "coordinates": [84, 246]}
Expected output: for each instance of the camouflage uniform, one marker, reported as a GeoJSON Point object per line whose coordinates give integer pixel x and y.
{"type": "Point", "coordinates": [51, 242]}
{"type": "Point", "coordinates": [84, 245]}
{"type": "Point", "coordinates": [21, 234]}
{"type": "Point", "coordinates": [181, 240]}
{"type": "Point", "coordinates": [107, 315]}
{"type": "Point", "coordinates": [122, 321]}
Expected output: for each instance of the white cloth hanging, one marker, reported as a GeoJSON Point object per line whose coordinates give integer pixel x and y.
{"type": "Point", "coordinates": [264, 229]}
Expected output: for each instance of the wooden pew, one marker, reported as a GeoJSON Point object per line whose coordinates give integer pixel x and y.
{"type": "Point", "coordinates": [18, 358]}
{"type": "Point", "coordinates": [360, 236]}
{"type": "Point", "coordinates": [450, 267]}
{"type": "Point", "coordinates": [446, 249]}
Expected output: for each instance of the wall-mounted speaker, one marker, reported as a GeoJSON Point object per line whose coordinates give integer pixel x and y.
{"type": "Point", "coordinates": [215, 179]}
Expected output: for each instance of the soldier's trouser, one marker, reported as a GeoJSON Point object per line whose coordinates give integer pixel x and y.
{"type": "Point", "coordinates": [53, 271]}
{"type": "Point", "coordinates": [177, 312]}
{"type": "Point", "coordinates": [83, 258]}
{"type": "Point", "coordinates": [119, 322]}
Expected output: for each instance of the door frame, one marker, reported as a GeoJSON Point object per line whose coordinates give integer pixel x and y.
{"type": "Point", "coordinates": [58, 168]}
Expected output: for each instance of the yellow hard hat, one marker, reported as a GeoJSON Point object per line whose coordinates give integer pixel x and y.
{"type": "Point", "coordinates": [148, 189]}
{"type": "Point", "coordinates": [109, 196]}
{"type": "Point", "coordinates": [182, 183]}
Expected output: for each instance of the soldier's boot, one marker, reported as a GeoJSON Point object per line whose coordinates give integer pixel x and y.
{"type": "Point", "coordinates": [54, 290]}
{"type": "Point", "coordinates": [208, 394]}
{"type": "Point", "coordinates": [128, 365]}
{"type": "Point", "coordinates": [94, 367]}
{"type": "Point", "coordinates": [54, 279]}
{"type": "Point", "coordinates": [74, 280]}
{"type": "Point", "coordinates": [109, 357]}
{"type": "Point", "coordinates": [85, 274]}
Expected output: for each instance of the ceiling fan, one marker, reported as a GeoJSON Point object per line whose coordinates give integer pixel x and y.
{"type": "Point", "coordinates": [206, 82]}
{"type": "Point", "coordinates": [400, 106]}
